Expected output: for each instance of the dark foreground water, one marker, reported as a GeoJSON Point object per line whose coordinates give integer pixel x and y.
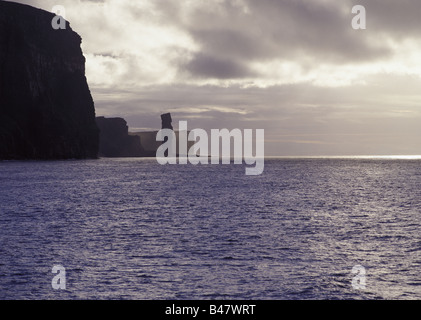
{"type": "Point", "coordinates": [133, 229]}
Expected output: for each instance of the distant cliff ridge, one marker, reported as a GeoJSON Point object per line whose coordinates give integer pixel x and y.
{"type": "Point", "coordinates": [148, 138]}
{"type": "Point", "coordinates": [115, 140]}
{"type": "Point", "coordinates": [46, 108]}
{"type": "Point", "coordinates": [150, 145]}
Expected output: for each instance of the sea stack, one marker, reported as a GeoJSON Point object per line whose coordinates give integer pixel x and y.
{"type": "Point", "coordinates": [46, 108]}
{"type": "Point", "coordinates": [166, 121]}
{"type": "Point", "coordinates": [166, 124]}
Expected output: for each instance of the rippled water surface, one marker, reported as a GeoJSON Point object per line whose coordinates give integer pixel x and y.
{"type": "Point", "coordinates": [133, 229]}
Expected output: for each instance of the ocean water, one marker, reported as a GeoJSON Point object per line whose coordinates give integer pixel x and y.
{"type": "Point", "coordinates": [133, 229]}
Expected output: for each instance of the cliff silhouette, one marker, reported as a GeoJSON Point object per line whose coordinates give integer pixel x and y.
{"type": "Point", "coordinates": [46, 108]}
{"type": "Point", "coordinates": [115, 140]}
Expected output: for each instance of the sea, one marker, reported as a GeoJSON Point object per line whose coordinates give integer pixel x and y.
{"type": "Point", "coordinates": [129, 228]}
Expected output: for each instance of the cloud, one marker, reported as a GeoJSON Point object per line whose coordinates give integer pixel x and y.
{"type": "Point", "coordinates": [205, 66]}
{"type": "Point", "coordinates": [396, 19]}
{"type": "Point", "coordinates": [267, 42]}
{"type": "Point", "coordinates": [282, 30]}
{"type": "Point", "coordinates": [293, 67]}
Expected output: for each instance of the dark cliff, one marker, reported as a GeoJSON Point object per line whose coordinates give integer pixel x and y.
{"type": "Point", "coordinates": [115, 140]}
{"type": "Point", "coordinates": [46, 108]}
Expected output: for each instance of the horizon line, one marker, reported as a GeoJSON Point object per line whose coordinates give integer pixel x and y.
{"type": "Point", "coordinates": [392, 156]}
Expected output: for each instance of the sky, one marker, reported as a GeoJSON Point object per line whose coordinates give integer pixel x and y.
{"type": "Point", "coordinates": [295, 68]}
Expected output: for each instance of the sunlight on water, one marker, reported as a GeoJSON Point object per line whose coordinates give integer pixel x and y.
{"type": "Point", "coordinates": [391, 157]}
{"type": "Point", "coordinates": [133, 229]}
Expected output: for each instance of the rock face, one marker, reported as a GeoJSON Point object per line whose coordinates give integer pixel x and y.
{"type": "Point", "coordinates": [115, 140]}
{"type": "Point", "coordinates": [46, 108]}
